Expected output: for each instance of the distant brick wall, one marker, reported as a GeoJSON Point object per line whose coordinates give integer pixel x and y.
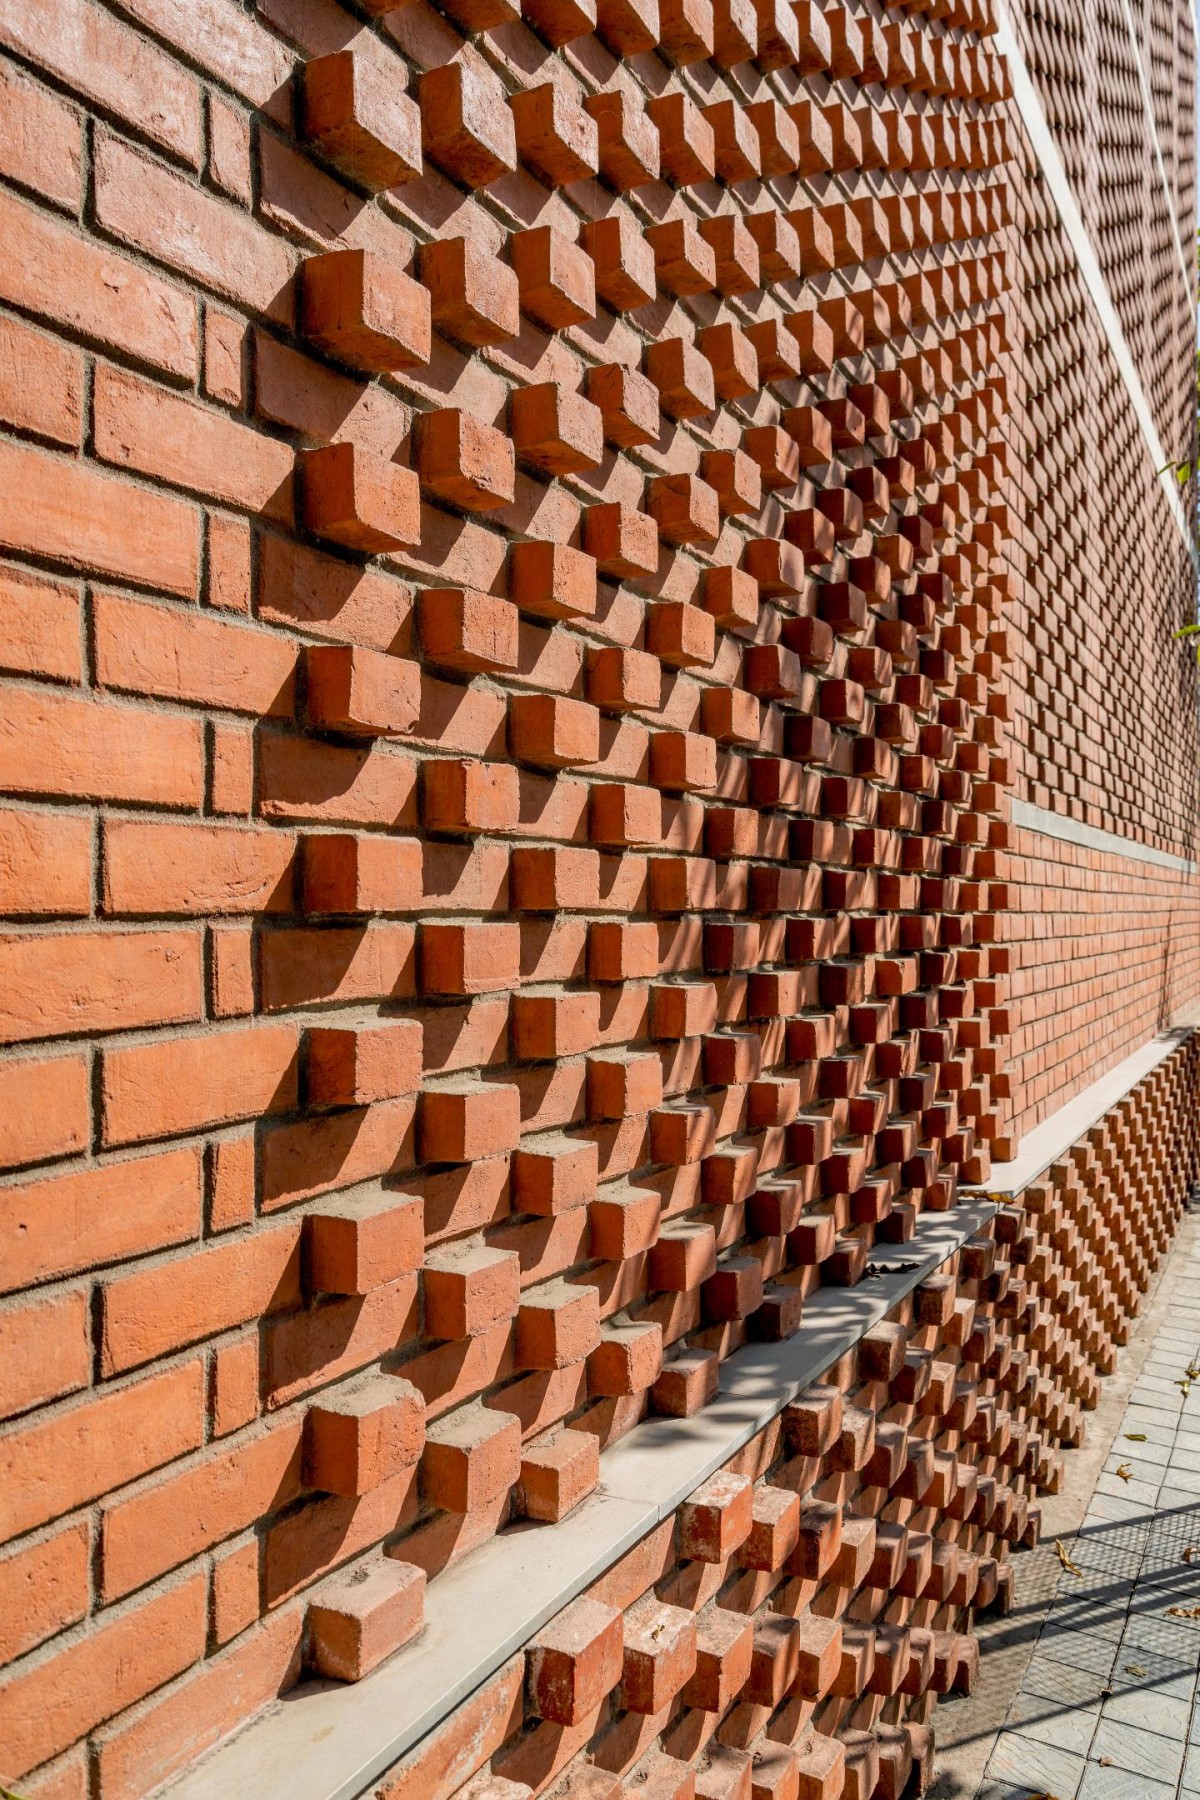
{"type": "Point", "coordinates": [508, 532]}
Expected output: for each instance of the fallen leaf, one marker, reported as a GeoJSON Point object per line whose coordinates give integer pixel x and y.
{"type": "Point", "coordinates": [1125, 1472]}
{"type": "Point", "coordinates": [1189, 1550]}
{"type": "Point", "coordinates": [1106, 1762]}
{"type": "Point", "coordinates": [1071, 1567]}
{"type": "Point", "coordinates": [1183, 1612]}
{"type": "Point", "coordinates": [1134, 1669]}
{"type": "Point", "coordinates": [1136, 1437]}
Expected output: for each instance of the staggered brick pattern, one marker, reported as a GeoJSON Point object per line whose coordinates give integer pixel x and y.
{"type": "Point", "coordinates": [509, 514]}
{"type": "Point", "coordinates": [788, 1633]}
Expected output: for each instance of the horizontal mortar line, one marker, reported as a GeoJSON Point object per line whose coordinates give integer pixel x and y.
{"type": "Point", "coordinates": [1094, 837]}
{"type": "Point", "coordinates": [1050, 1141]}
{"type": "Point", "coordinates": [1030, 108]}
{"type": "Point", "coordinates": [329, 1741]}
{"type": "Point", "coordinates": [1148, 103]}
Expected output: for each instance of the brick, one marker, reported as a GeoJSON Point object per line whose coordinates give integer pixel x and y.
{"type": "Point", "coordinates": [468, 1289]}
{"type": "Point", "coordinates": [359, 499]}
{"type": "Point", "coordinates": [154, 1090]}
{"type": "Point", "coordinates": [152, 209]}
{"type": "Point", "coordinates": [357, 1066]}
{"type": "Point", "coordinates": [174, 655]}
{"type": "Point", "coordinates": [556, 277]}
{"type": "Point", "coordinates": [361, 693]}
{"type": "Point", "coordinates": [69, 512]}
{"type": "Point", "coordinates": [475, 298]}
{"type": "Point", "coordinates": [557, 1473]}
{"type": "Point", "coordinates": [355, 115]}
{"type": "Point", "coordinates": [469, 959]}
{"type": "Point", "coordinates": [362, 309]}
{"type": "Point", "coordinates": [354, 1624]}
{"type": "Point", "coordinates": [102, 1674]}
{"type": "Point", "coordinates": [40, 139]}
{"type": "Point", "coordinates": [552, 581]}
{"type": "Point", "coordinates": [464, 461]}
{"type": "Point", "coordinates": [552, 732]}
{"type": "Point", "coordinates": [46, 1347]}
{"type": "Point", "coordinates": [362, 1435]}
{"type": "Point", "coordinates": [160, 1308]}
{"type": "Point", "coordinates": [467, 129]}
{"type": "Point", "coordinates": [724, 1648]}
{"type": "Point", "coordinates": [52, 1465]}
{"type": "Point", "coordinates": [459, 1124]}
{"type": "Point", "coordinates": [99, 981]}
{"type": "Point", "coordinates": [44, 1587]}
{"type": "Point", "coordinates": [41, 384]}
{"type": "Point", "coordinates": [623, 541]}
{"type": "Point", "coordinates": [628, 404]}
{"type": "Point", "coordinates": [717, 1518]}
{"type": "Point", "coordinates": [154, 869]}
{"type": "Point", "coordinates": [554, 430]}
{"type": "Point", "coordinates": [67, 1222]}
{"type": "Point", "coordinates": [45, 864]}
{"type": "Point", "coordinates": [174, 1519]}
{"type": "Point", "coordinates": [467, 631]}
{"type": "Point", "coordinates": [660, 1655]}
{"type": "Point", "coordinates": [575, 1661]}
{"type": "Point", "coordinates": [362, 1240]}
{"type": "Point", "coordinates": [557, 1324]}
{"type": "Point", "coordinates": [555, 137]}
{"type": "Point", "coordinates": [471, 1457]}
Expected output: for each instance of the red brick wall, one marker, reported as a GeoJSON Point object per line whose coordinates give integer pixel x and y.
{"type": "Point", "coordinates": [503, 756]}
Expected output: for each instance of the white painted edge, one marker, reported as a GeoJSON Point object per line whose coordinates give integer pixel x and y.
{"type": "Point", "coordinates": [328, 1741]}
{"type": "Point", "coordinates": [1030, 108]}
{"type": "Point", "coordinates": [1051, 1140]}
{"type": "Point", "coordinates": [1093, 837]}
{"type": "Point", "coordinates": [1189, 281]}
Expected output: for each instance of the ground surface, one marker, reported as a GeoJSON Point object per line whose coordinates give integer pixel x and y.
{"type": "Point", "coordinates": [1088, 1689]}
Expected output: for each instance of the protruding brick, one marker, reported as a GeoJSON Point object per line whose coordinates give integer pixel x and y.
{"type": "Point", "coordinates": [717, 1519]}
{"type": "Point", "coordinates": [556, 138]}
{"type": "Point", "coordinates": [466, 126]}
{"type": "Point", "coordinates": [558, 1472]}
{"type": "Point", "coordinates": [363, 1239]}
{"type": "Point", "coordinates": [556, 277]}
{"type": "Point", "coordinates": [364, 310]}
{"type": "Point", "coordinates": [357, 1620]}
{"type": "Point", "coordinates": [361, 692]}
{"type": "Point", "coordinates": [558, 1324]}
{"type": "Point", "coordinates": [469, 1288]}
{"type": "Point", "coordinates": [464, 461]}
{"type": "Point", "coordinates": [575, 1661]}
{"type": "Point", "coordinates": [475, 298]}
{"type": "Point", "coordinates": [459, 1124]}
{"type": "Point", "coordinates": [724, 1648]}
{"type": "Point", "coordinates": [359, 499]}
{"type": "Point", "coordinates": [660, 1655]}
{"type": "Point", "coordinates": [464, 630]}
{"type": "Point", "coordinates": [356, 1066]}
{"type": "Point", "coordinates": [359, 1437]}
{"type": "Point", "coordinates": [471, 1457]}
{"type": "Point", "coordinates": [470, 958]}
{"type": "Point", "coordinates": [356, 113]}
{"type": "Point", "coordinates": [554, 430]}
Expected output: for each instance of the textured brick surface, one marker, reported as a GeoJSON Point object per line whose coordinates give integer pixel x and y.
{"type": "Point", "coordinates": [525, 529]}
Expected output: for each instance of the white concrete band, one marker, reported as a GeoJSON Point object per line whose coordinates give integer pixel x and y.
{"type": "Point", "coordinates": [326, 1741]}
{"type": "Point", "coordinates": [1051, 1140]}
{"type": "Point", "coordinates": [1091, 837]}
{"type": "Point", "coordinates": [1034, 119]}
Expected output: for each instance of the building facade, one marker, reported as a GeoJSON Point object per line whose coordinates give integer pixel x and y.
{"type": "Point", "coordinates": [598, 864]}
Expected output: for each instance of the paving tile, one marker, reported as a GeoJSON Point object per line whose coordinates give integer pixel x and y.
{"type": "Point", "coordinates": [1141, 1752]}
{"type": "Point", "coordinates": [1059, 1723]}
{"type": "Point", "coordinates": [1150, 1710]}
{"type": "Point", "coordinates": [1042, 1769]}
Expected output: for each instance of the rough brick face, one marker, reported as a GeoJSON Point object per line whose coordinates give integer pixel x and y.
{"type": "Point", "coordinates": [537, 540]}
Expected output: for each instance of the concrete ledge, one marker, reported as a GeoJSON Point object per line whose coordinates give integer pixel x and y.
{"type": "Point", "coordinates": [325, 1741]}
{"type": "Point", "coordinates": [1055, 1135]}
{"type": "Point", "coordinates": [1091, 837]}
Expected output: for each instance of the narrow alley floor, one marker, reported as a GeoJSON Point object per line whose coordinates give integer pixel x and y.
{"type": "Point", "coordinates": [1088, 1689]}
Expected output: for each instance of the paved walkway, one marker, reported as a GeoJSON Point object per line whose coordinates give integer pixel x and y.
{"type": "Point", "coordinates": [1107, 1706]}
